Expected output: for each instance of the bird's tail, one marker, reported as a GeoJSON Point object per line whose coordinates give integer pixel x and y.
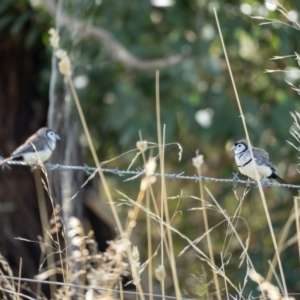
{"type": "Point", "coordinates": [277, 178]}
{"type": "Point", "coordinates": [4, 161]}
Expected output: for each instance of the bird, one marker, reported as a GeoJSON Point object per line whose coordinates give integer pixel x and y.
{"type": "Point", "coordinates": [38, 146]}
{"type": "Point", "coordinates": [245, 165]}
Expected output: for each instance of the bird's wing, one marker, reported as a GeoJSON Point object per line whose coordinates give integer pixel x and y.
{"type": "Point", "coordinates": [262, 157]}
{"type": "Point", "coordinates": [25, 148]}
{"type": "Point", "coordinates": [38, 142]}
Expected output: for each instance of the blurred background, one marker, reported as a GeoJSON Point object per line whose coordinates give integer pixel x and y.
{"type": "Point", "coordinates": [115, 48]}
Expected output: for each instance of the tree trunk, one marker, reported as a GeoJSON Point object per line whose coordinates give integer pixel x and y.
{"type": "Point", "coordinates": [21, 114]}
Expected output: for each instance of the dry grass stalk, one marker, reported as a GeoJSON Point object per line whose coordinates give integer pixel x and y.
{"type": "Point", "coordinates": [65, 69]}
{"type": "Point", "coordinates": [282, 242]}
{"type": "Point", "coordinates": [264, 202]}
{"type": "Point", "coordinates": [67, 72]}
{"type": "Point", "coordinates": [296, 205]}
{"type": "Point", "coordinates": [197, 163]}
{"type": "Point", "coordinates": [142, 145]}
{"type": "Point", "coordinates": [136, 262]}
{"type": "Point", "coordinates": [45, 225]}
{"type": "Point", "coordinates": [99, 267]}
{"type": "Point", "coordinates": [164, 199]}
{"type": "Point", "coordinates": [57, 223]}
{"type": "Point", "coordinates": [202, 255]}
{"type": "Point", "coordinates": [161, 156]}
{"type": "Point", "coordinates": [102, 267]}
{"type": "Point", "coordinates": [4, 283]}
{"type": "Point", "coordinates": [20, 274]}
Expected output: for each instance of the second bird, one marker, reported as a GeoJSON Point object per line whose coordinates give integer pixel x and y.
{"type": "Point", "coordinates": [38, 146]}
{"type": "Point", "coordinates": [244, 162]}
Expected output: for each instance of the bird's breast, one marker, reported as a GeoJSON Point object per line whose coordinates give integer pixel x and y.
{"type": "Point", "coordinates": [33, 158]}
{"type": "Point", "coordinates": [249, 170]}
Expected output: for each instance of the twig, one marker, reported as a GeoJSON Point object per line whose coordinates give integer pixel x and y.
{"type": "Point", "coordinates": [118, 51]}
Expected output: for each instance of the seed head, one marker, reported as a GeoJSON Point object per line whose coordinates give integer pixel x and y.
{"type": "Point", "coordinates": [54, 38]}
{"type": "Point", "coordinates": [142, 145]}
{"type": "Point", "coordinates": [160, 273]}
{"type": "Point", "coordinates": [198, 161]}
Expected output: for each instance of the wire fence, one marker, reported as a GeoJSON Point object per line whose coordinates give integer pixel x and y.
{"type": "Point", "coordinates": [96, 288]}
{"type": "Point", "coordinates": [140, 171]}
{"type": "Point", "coordinates": [86, 287]}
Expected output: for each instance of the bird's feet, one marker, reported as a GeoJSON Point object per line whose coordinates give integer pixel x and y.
{"type": "Point", "coordinates": [249, 183]}
{"type": "Point", "coordinates": [264, 182]}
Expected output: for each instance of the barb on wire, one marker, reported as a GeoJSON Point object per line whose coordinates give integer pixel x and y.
{"type": "Point", "coordinates": [235, 179]}
{"type": "Point", "coordinates": [139, 171]}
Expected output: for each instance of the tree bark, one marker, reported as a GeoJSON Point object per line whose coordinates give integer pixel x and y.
{"type": "Point", "coordinates": [21, 114]}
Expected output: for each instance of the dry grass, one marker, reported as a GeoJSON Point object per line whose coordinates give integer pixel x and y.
{"type": "Point", "coordinates": [106, 270]}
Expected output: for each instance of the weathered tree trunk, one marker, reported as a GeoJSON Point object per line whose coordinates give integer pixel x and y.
{"type": "Point", "coordinates": [21, 114]}
{"type": "Point", "coordinates": [66, 183]}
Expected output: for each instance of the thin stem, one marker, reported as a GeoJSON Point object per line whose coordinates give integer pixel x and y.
{"type": "Point", "coordinates": [256, 172]}
{"type": "Point", "coordinates": [296, 200]}
{"type": "Point", "coordinates": [149, 240]}
{"type": "Point", "coordinates": [164, 203]}
{"type": "Point", "coordinates": [19, 280]}
{"type": "Point", "coordinates": [94, 154]}
{"type": "Point", "coordinates": [149, 236]}
{"type": "Point", "coordinates": [282, 239]}
{"type": "Point", "coordinates": [209, 244]}
{"type": "Point", "coordinates": [45, 225]}
{"type": "Point", "coordinates": [162, 282]}
{"type": "Point", "coordinates": [102, 177]}
{"type": "Point", "coordinates": [169, 234]}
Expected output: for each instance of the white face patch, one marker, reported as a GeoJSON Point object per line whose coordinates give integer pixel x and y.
{"type": "Point", "coordinates": [51, 135]}
{"type": "Point", "coordinates": [240, 147]}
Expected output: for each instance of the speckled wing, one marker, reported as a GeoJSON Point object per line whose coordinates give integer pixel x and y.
{"type": "Point", "coordinates": [38, 141]}
{"type": "Point", "coordinates": [262, 157]}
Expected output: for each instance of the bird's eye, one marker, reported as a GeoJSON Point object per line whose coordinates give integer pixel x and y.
{"type": "Point", "coordinates": [239, 145]}
{"type": "Point", "coordinates": [51, 134]}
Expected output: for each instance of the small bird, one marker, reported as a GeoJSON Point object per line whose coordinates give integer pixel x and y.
{"type": "Point", "coordinates": [38, 146]}
{"type": "Point", "coordinates": [244, 162]}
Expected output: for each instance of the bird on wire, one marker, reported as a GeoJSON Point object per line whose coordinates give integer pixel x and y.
{"type": "Point", "coordinates": [39, 146]}
{"type": "Point", "coordinates": [246, 166]}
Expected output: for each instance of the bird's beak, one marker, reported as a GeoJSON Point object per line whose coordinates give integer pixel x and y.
{"type": "Point", "coordinates": [233, 147]}
{"type": "Point", "coordinates": [57, 136]}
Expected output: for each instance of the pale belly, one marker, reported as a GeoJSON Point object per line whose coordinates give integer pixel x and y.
{"type": "Point", "coordinates": [33, 158]}
{"type": "Point", "coordinates": [249, 170]}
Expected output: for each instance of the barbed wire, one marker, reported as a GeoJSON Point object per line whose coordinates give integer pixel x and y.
{"type": "Point", "coordinates": [140, 171]}
{"type": "Point", "coordinates": [86, 287]}
{"type": "Point", "coordinates": [97, 288]}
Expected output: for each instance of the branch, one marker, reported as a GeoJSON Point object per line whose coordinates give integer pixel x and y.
{"type": "Point", "coordinates": [119, 52]}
